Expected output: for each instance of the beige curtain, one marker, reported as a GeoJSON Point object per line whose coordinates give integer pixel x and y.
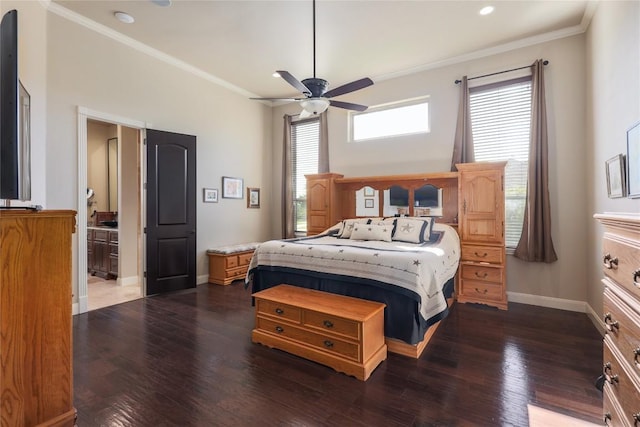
{"type": "Point", "coordinates": [536, 244]}
{"type": "Point", "coordinates": [463, 141]}
{"type": "Point", "coordinates": [287, 193]}
{"type": "Point", "coordinates": [323, 147]}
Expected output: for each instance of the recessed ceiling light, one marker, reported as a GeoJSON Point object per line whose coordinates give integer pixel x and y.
{"type": "Point", "coordinates": [276, 74]}
{"type": "Point", "coordinates": [124, 17]}
{"type": "Point", "coordinates": [486, 10]}
{"type": "Point", "coordinates": [163, 3]}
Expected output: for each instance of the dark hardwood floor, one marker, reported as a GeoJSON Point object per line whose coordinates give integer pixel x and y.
{"type": "Point", "coordinates": [187, 360]}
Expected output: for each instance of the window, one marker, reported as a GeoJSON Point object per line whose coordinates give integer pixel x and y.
{"type": "Point", "coordinates": [500, 123]}
{"type": "Point", "coordinates": [305, 139]}
{"type": "Point", "coordinates": [405, 118]}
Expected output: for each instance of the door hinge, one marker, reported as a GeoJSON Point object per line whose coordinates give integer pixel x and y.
{"type": "Point", "coordinates": [144, 141]}
{"type": "Point", "coordinates": [144, 230]}
{"type": "Point", "coordinates": [144, 274]}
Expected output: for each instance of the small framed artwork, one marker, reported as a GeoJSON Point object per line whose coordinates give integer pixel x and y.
{"type": "Point", "coordinates": [253, 197]}
{"type": "Point", "coordinates": [232, 188]}
{"type": "Point", "coordinates": [616, 177]}
{"type": "Point", "coordinates": [633, 161]}
{"type": "Point", "coordinates": [368, 203]}
{"type": "Point", "coordinates": [368, 192]}
{"type": "Point", "coordinates": [210, 195]}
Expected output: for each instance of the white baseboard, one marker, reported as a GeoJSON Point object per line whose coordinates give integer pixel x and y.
{"type": "Point", "coordinates": [550, 302]}
{"type": "Point", "coordinates": [202, 279]}
{"type": "Point", "coordinates": [128, 281]}
{"type": "Point", "coordinates": [559, 303]}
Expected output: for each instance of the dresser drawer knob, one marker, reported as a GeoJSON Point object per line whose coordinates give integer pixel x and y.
{"type": "Point", "coordinates": [612, 379]}
{"type": "Point", "coordinates": [279, 311]}
{"type": "Point", "coordinates": [636, 356]}
{"type": "Point", "coordinates": [328, 344]}
{"type": "Point", "coordinates": [482, 292]}
{"type": "Point", "coordinates": [328, 324]}
{"type": "Point", "coordinates": [636, 278]}
{"type": "Point", "coordinates": [606, 369]}
{"type": "Point", "coordinates": [482, 276]}
{"type": "Point", "coordinates": [481, 256]}
{"type": "Point", "coordinates": [607, 418]}
{"type": "Point", "coordinates": [279, 329]}
{"type": "Point", "coordinates": [610, 262]}
{"type": "Point", "coordinates": [636, 419]}
{"type": "Point", "coordinates": [609, 323]}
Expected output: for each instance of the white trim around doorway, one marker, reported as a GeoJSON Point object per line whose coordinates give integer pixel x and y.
{"type": "Point", "coordinates": [84, 114]}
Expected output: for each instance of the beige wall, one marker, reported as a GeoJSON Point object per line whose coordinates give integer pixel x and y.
{"type": "Point", "coordinates": [565, 80]}
{"type": "Point", "coordinates": [613, 106]}
{"type": "Point", "coordinates": [128, 200]}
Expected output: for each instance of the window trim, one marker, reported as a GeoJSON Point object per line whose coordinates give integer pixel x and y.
{"type": "Point", "coordinates": [389, 106]}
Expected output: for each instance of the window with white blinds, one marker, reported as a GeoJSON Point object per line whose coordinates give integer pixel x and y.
{"type": "Point", "coordinates": [305, 140]}
{"type": "Point", "coordinates": [501, 126]}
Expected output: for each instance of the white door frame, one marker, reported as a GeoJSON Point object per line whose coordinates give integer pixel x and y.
{"type": "Point", "coordinates": [84, 114]}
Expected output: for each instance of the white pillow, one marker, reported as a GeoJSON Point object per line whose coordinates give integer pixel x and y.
{"type": "Point", "coordinates": [413, 230]}
{"type": "Point", "coordinates": [348, 226]}
{"type": "Point", "coordinates": [372, 232]}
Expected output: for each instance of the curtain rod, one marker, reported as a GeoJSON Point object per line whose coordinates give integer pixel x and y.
{"type": "Point", "coordinates": [500, 72]}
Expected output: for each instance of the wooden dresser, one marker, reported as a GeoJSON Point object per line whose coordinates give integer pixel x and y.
{"type": "Point", "coordinates": [344, 333]}
{"type": "Point", "coordinates": [621, 355]}
{"type": "Point", "coordinates": [36, 374]}
{"type": "Point", "coordinates": [481, 228]}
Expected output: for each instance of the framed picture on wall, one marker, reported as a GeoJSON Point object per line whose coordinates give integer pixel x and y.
{"type": "Point", "coordinates": [210, 195]}
{"type": "Point", "coordinates": [615, 177]}
{"type": "Point", "coordinates": [633, 161]}
{"type": "Point", "coordinates": [232, 188]}
{"type": "Point", "coordinates": [253, 197]}
{"type": "Point", "coordinates": [368, 203]}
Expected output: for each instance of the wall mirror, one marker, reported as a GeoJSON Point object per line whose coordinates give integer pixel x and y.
{"type": "Point", "coordinates": [112, 174]}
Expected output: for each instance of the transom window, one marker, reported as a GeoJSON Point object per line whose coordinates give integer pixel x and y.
{"type": "Point", "coordinates": [501, 126]}
{"type": "Point", "coordinates": [400, 118]}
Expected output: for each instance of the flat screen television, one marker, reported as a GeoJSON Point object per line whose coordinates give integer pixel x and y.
{"type": "Point", "coordinates": [425, 196]}
{"type": "Point", "coordinates": [15, 136]}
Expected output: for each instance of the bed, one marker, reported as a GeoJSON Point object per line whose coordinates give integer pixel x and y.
{"type": "Point", "coordinates": [413, 277]}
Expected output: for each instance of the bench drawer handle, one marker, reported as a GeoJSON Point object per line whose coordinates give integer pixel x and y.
{"type": "Point", "coordinates": [636, 278]}
{"type": "Point", "coordinates": [328, 344]}
{"type": "Point", "coordinates": [279, 311]}
{"type": "Point", "coordinates": [279, 329]}
{"type": "Point", "coordinates": [328, 324]}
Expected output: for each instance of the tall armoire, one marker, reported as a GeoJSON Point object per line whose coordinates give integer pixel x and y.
{"type": "Point", "coordinates": [36, 374]}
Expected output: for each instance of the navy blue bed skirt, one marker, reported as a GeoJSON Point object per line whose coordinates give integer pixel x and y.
{"type": "Point", "coordinates": [402, 318]}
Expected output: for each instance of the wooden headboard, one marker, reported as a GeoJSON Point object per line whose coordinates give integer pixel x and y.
{"type": "Point", "coordinates": [331, 197]}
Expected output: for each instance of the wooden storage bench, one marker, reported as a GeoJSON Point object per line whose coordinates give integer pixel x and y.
{"type": "Point", "coordinates": [342, 332]}
{"type": "Point", "coordinates": [229, 263]}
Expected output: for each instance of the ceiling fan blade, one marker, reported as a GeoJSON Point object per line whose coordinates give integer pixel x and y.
{"type": "Point", "coordinates": [294, 82]}
{"type": "Point", "coordinates": [349, 87]}
{"type": "Point", "coordinates": [279, 99]}
{"type": "Point", "coordinates": [348, 105]}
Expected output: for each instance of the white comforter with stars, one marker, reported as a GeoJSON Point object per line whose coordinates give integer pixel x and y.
{"type": "Point", "coordinates": [422, 268]}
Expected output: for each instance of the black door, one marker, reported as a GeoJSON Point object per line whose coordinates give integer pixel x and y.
{"type": "Point", "coordinates": [171, 212]}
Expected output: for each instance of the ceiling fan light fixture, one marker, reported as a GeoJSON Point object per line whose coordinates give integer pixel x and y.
{"type": "Point", "coordinates": [315, 105]}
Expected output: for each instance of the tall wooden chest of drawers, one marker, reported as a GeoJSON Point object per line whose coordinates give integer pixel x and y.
{"type": "Point", "coordinates": [344, 333]}
{"type": "Point", "coordinates": [621, 369]}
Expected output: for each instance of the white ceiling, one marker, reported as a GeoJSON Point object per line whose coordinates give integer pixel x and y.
{"type": "Point", "coordinates": [241, 43]}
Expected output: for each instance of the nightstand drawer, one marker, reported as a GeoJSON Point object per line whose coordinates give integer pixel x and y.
{"type": "Point", "coordinates": [482, 272]}
{"type": "Point", "coordinates": [481, 291]}
{"type": "Point", "coordinates": [477, 253]}
{"type": "Point", "coordinates": [621, 262]}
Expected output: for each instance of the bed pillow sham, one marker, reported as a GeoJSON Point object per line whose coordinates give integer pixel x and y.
{"type": "Point", "coordinates": [348, 224]}
{"type": "Point", "coordinates": [380, 232]}
{"type": "Point", "coordinates": [413, 230]}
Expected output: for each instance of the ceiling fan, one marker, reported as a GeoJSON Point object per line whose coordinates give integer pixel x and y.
{"type": "Point", "coordinates": [316, 94]}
